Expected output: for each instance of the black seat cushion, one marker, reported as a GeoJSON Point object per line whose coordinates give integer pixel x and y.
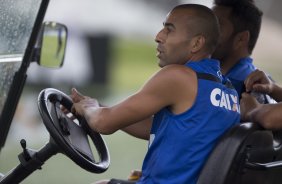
{"type": "Point", "coordinates": [243, 143]}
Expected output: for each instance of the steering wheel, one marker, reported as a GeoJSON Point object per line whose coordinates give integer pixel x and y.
{"type": "Point", "coordinates": [71, 136]}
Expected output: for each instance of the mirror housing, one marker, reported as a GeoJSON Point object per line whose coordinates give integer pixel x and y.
{"type": "Point", "coordinates": [51, 44]}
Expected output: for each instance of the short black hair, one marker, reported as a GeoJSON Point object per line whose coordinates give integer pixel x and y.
{"type": "Point", "coordinates": [205, 23]}
{"type": "Point", "coordinates": [245, 15]}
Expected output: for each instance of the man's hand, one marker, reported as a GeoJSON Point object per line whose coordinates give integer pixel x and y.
{"type": "Point", "coordinates": [259, 82]}
{"type": "Point", "coordinates": [76, 96]}
{"type": "Point", "coordinates": [81, 103]}
{"type": "Point", "coordinates": [135, 175]}
{"type": "Point", "coordinates": [247, 104]}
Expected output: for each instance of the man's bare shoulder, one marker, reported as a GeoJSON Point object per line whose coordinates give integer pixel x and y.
{"type": "Point", "coordinates": [172, 78]}
{"type": "Point", "coordinates": [177, 71]}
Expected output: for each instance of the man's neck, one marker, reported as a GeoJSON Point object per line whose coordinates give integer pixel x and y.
{"type": "Point", "coordinates": [228, 63]}
{"type": "Point", "coordinates": [200, 56]}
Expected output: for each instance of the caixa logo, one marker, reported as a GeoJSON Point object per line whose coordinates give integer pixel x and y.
{"type": "Point", "coordinates": [221, 99]}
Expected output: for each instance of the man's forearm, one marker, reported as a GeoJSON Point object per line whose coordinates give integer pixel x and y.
{"type": "Point", "coordinates": [140, 129]}
{"type": "Point", "coordinates": [276, 93]}
{"type": "Point", "coordinates": [268, 115]}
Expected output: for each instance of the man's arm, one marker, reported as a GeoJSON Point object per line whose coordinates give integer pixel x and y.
{"type": "Point", "coordinates": [162, 90]}
{"type": "Point", "coordinates": [140, 129]}
{"type": "Point", "coordinates": [267, 115]}
{"type": "Point", "coordinates": [276, 93]}
{"type": "Point", "coordinates": [259, 82]}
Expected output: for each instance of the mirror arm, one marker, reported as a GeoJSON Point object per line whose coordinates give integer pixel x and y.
{"type": "Point", "coordinates": [35, 57]}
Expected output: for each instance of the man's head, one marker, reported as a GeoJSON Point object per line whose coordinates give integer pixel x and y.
{"type": "Point", "coordinates": [240, 22]}
{"type": "Point", "coordinates": [190, 32]}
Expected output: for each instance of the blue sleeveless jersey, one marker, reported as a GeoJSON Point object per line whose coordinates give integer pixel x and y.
{"type": "Point", "coordinates": [238, 73]}
{"type": "Point", "coordinates": [180, 144]}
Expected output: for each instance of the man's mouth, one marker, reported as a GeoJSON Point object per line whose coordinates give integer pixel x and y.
{"type": "Point", "coordinates": [159, 52]}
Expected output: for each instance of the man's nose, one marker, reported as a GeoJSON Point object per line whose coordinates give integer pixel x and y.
{"type": "Point", "coordinates": [159, 37]}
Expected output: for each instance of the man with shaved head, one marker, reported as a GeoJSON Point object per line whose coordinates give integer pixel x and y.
{"type": "Point", "coordinates": [183, 109]}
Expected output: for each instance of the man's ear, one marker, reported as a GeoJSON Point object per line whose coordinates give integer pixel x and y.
{"type": "Point", "coordinates": [242, 40]}
{"type": "Point", "coordinates": [198, 42]}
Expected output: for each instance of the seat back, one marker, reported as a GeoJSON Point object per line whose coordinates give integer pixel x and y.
{"type": "Point", "coordinates": [243, 144]}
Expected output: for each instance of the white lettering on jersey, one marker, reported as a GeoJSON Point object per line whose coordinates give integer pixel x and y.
{"type": "Point", "coordinates": [215, 94]}
{"type": "Point", "coordinates": [223, 102]}
{"type": "Point", "coordinates": [220, 99]}
{"type": "Point", "coordinates": [228, 101]}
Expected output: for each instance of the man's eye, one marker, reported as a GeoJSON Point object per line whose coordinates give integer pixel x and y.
{"type": "Point", "coordinates": [168, 29]}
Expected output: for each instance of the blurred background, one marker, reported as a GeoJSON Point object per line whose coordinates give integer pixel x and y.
{"type": "Point", "coordinates": [110, 55]}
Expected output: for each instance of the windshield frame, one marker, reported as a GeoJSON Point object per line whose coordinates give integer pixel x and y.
{"type": "Point", "coordinates": [20, 76]}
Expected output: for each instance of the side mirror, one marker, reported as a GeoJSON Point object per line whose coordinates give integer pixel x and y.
{"type": "Point", "coordinates": [51, 45]}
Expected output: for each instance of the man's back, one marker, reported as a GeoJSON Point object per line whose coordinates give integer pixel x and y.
{"type": "Point", "coordinates": [180, 143]}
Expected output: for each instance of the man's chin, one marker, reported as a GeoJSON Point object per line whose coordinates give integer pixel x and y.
{"type": "Point", "coordinates": [161, 64]}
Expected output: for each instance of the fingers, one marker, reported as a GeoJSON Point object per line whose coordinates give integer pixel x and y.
{"type": "Point", "coordinates": [73, 111]}
{"type": "Point", "coordinates": [81, 103]}
{"type": "Point", "coordinates": [247, 98]}
{"type": "Point", "coordinates": [135, 175]}
{"type": "Point", "coordinates": [253, 78]}
{"type": "Point", "coordinates": [76, 96]}
{"type": "Point", "coordinates": [245, 95]}
{"type": "Point", "coordinates": [247, 104]}
{"type": "Point", "coordinates": [262, 88]}
{"type": "Point", "coordinates": [64, 110]}
{"type": "Point", "coordinates": [79, 108]}
{"type": "Point", "coordinates": [257, 81]}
